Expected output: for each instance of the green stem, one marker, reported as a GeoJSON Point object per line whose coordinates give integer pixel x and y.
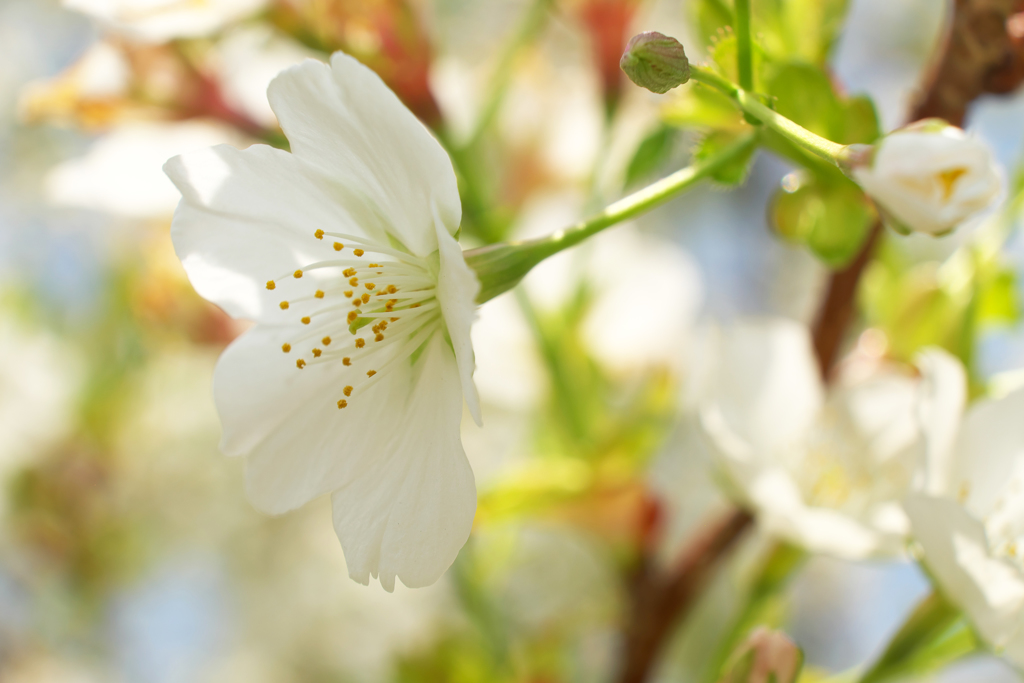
{"type": "Point", "coordinates": [929, 638]}
{"type": "Point", "coordinates": [501, 266]}
{"type": "Point", "coordinates": [763, 601]}
{"type": "Point", "coordinates": [749, 104]}
{"type": "Point", "coordinates": [744, 53]}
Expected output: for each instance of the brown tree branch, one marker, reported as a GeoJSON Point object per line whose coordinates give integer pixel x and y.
{"type": "Point", "coordinates": [660, 596]}
{"type": "Point", "coordinates": [983, 52]}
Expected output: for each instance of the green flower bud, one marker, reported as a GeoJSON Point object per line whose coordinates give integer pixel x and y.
{"type": "Point", "coordinates": [655, 61]}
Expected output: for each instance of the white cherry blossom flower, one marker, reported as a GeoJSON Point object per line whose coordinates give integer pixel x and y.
{"type": "Point", "coordinates": [158, 21]}
{"type": "Point", "coordinates": [352, 381]}
{"type": "Point", "coordinates": [823, 470]}
{"type": "Point", "coordinates": [970, 522]}
{"type": "Point", "coordinates": [929, 177]}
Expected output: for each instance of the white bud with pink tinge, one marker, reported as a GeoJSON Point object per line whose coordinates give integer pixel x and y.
{"type": "Point", "coordinates": [928, 177]}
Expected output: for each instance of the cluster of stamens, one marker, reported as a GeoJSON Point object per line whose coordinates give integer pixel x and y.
{"type": "Point", "coordinates": [394, 296]}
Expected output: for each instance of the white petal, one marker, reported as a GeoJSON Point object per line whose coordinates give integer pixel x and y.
{"type": "Point", "coordinates": [765, 383]}
{"type": "Point", "coordinates": [944, 396]}
{"type": "Point", "coordinates": [299, 444]}
{"type": "Point", "coordinates": [881, 410]}
{"type": "Point", "coordinates": [457, 287]}
{"type": "Point", "coordinates": [957, 555]}
{"type": "Point", "coordinates": [989, 452]}
{"type": "Point", "coordinates": [410, 509]}
{"type": "Point", "coordinates": [343, 119]}
{"type": "Point", "coordinates": [249, 216]}
{"type": "Point", "coordinates": [782, 511]}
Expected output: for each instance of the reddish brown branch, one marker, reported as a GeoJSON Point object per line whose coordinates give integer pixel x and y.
{"type": "Point", "coordinates": [982, 53]}
{"type": "Point", "coordinates": [659, 596]}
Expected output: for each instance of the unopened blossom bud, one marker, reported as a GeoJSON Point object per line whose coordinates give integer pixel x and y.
{"type": "Point", "coordinates": [655, 61]}
{"type": "Point", "coordinates": [928, 177]}
{"type": "Point", "coordinates": [765, 657]}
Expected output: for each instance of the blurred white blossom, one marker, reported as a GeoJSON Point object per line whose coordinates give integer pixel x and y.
{"type": "Point", "coordinates": [970, 522]}
{"type": "Point", "coordinates": [826, 471]}
{"type": "Point", "coordinates": [158, 21]}
{"type": "Point", "coordinates": [122, 172]}
{"type": "Point", "coordinates": [353, 228]}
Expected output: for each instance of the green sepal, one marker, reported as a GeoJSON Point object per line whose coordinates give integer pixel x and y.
{"type": "Point", "coordinates": [831, 216]}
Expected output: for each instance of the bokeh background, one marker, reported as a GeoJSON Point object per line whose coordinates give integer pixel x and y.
{"type": "Point", "coordinates": [127, 550]}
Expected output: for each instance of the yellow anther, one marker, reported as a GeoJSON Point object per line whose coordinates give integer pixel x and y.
{"type": "Point", "coordinates": [354, 281]}
{"type": "Point", "coordinates": [284, 305]}
{"type": "Point", "coordinates": [319, 234]}
{"type": "Point", "coordinates": [366, 297]}
{"type": "Point", "coordinates": [352, 316]}
{"type": "Point", "coordinates": [348, 272]}
{"type": "Point", "coordinates": [394, 320]}
{"type": "Point", "coordinates": [358, 252]}
{"type": "Point", "coordinates": [286, 347]}
{"type": "Point", "coordinates": [369, 286]}
{"type": "Point", "coordinates": [319, 294]}
{"type": "Point", "coordinates": [379, 337]}
{"type": "Point", "coordinates": [383, 324]}
{"type": "Point", "coordinates": [347, 391]}
{"type": "Point", "coordinates": [297, 274]}
{"type": "Point", "coordinates": [316, 353]}
{"type": "Point", "coordinates": [360, 343]}
{"type": "Point", "coordinates": [342, 404]}
{"type": "Point", "coordinates": [357, 302]}
{"type": "Point", "coordinates": [338, 246]}
{"type": "Point", "coordinates": [348, 293]}
{"type": "Point", "coordinates": [346, 361]}
{"type": "Point", "coordinates": [389, 308]}
{"type": "Point", "coordinates": [305, 320]}
{"type": "Point", "coordinates": [300, 364]}
{"type": "Point", "coordinates": [371, 373]}
{"type": "Point", "coordinates": [375, 328]}
{"type": "Point", "coordinates": [392, 289]}
{"type": "Point", "coordinates": [271, 284]}
{"type": "Point", "coordinates": [375, 265]}
{"type": "Point", "coordinates": [326, 341]}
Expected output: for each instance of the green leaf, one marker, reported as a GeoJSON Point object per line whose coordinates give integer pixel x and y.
{"type": "Point", "coordinates": [700, 106]}
{"type": "Point", "coordinates": [802, 30]}
{"type": "Point", "coordinates": [860, 122]}
{"type": "Point", "coordinates": [831, 217]}
{"type": "Point", "coordinates": [724, 51]}
{"type": "Point", "coordinates": [715, 142]}
{"type": "Point", "coordinates": [712, 16]}
{"type": "Point", "coordinates": [804, 93]}
{"type": "Point", "coordinates": [932, 636]}
{"type": "Point", "coordinates": [653, 151]}
{"type": "Point", "coordinates": [998, 302]}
